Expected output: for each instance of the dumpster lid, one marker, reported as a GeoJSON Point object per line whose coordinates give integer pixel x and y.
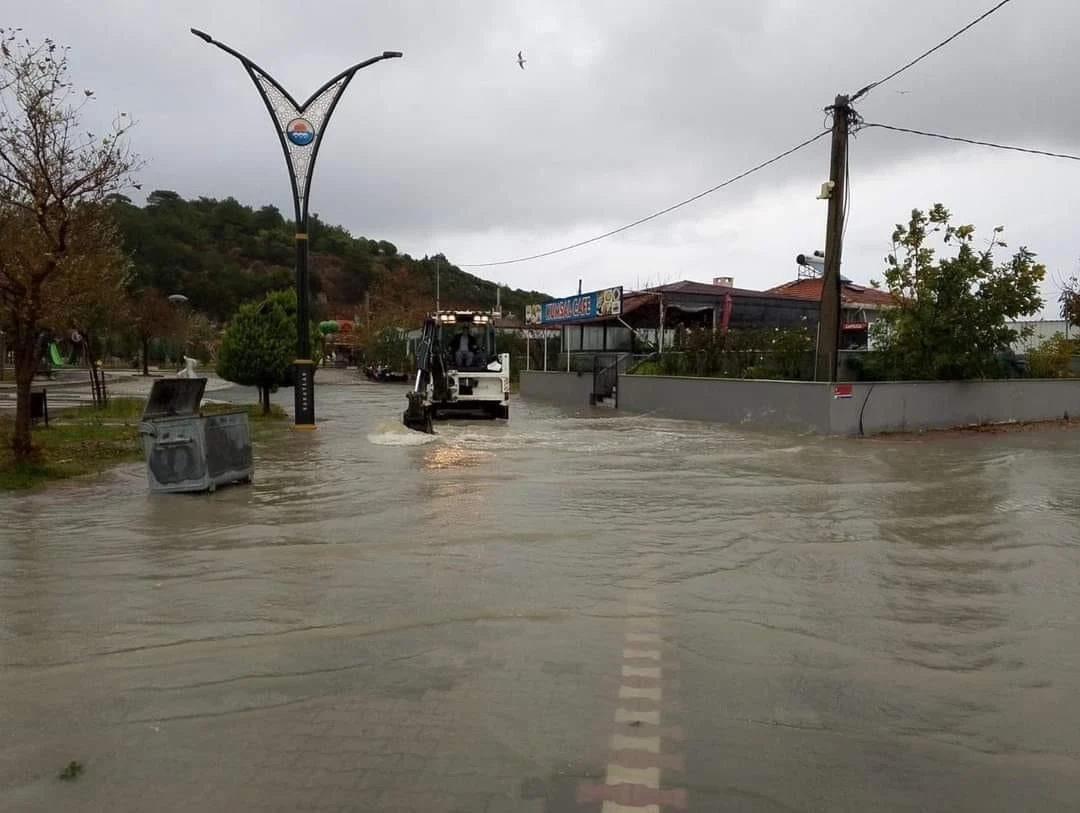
{"type": "Point", "coordinates": [174, 396]}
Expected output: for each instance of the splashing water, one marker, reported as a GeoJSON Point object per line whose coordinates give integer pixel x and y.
{"type": "Point", "coordinates": [391, 433]}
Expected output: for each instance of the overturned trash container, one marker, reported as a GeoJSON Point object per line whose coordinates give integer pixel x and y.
{"type": "Point", "coordinates": [187, 451]}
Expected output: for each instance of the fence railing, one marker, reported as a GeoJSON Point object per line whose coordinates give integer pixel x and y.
{"type": "Point", "coordinates": [855, 365]}
{"type": "Point", "coordinates": [605, 380]}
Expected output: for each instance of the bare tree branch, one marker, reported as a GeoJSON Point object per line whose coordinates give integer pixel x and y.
{"type": "Point", "coordinates": [60, 258]}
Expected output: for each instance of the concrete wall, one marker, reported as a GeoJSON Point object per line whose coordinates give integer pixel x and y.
{"type": "Point", "coordinates": [564, 389]}
{"type": "Point", "coordinates": [912, 406]}
{"type": "Point", "coordinates": [902, 406]}
{"type": "Point", "coordinates": [792, 404]}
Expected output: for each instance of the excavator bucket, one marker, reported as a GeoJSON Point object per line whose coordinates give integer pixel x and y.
{"type": "Point", "coordinates": [417, 415]}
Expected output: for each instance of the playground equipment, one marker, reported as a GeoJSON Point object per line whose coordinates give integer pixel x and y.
{"type": "Point", "coordinates": [188, 370]}
{"type": "Point", "coordinates": [56, 359]}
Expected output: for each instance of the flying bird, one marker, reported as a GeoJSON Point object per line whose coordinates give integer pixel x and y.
{"type": "Point", "coordinates": [521, 61]}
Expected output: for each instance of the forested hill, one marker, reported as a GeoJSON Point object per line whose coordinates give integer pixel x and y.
{"type": "Point", "coordinates": [220, 253]}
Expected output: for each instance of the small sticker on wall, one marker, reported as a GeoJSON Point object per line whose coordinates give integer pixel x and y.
{"type": "Point", "coordinates": [841, 391]}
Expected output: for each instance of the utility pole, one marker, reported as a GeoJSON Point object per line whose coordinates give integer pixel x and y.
{"type": "Point", "coordinates": [438, 266]}
{"type": "Point", "coordinates": [826, 365]}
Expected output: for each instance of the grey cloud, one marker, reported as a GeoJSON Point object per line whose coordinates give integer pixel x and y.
{"type": "Point", "coordinates": [624, 107]}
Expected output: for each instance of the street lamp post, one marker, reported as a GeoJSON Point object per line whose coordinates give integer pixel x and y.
{"type": "Point", "coordinates": [300, 129]}
{"type": "Point", "coordinates": [180, 301]}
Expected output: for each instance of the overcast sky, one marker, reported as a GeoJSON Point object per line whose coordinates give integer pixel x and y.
{"type": "Point", "coordinates": [625, 107]}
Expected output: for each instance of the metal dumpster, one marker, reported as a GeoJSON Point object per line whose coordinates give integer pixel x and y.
{"type": "Point", "coordinates": [187, 451]}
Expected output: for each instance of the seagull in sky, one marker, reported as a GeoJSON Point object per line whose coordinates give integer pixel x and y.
{"type": "Point", "coordinates": [521, 61]}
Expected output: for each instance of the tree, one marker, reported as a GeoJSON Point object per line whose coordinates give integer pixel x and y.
{"type": "Point", "coordinates": [152, 316]}
{"type": "Point", "coordinates": [1069, 300]}
{"type": "Point", "coordinates": [58, 248]}
{"type": "Point", "coordinates": [1052, 358]}
{"type": "Point", "coordinates": [950, 321]}
{"type": "Point", "coordinates": [390, 346]}
{"type": "Point", "coordinates": [258, 347]}
{"type": "Point", "coordinates": [222, 253]}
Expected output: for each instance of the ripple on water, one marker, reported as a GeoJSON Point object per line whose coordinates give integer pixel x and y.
{"type": "Point", "coordinates": [915, 577]}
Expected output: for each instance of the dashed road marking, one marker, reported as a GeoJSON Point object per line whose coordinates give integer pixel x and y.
{"type": "Point", "coordinates": [615, 807]}
{"type": "Point", "coordinates": [635, 716]}
{"type": "Point", "coordinates": [635, 759]}
{"type": "Point", "coordinates": [641, 671]}
{"type": "Point", "coordinates": [643, 637]}
{"type": "Point", "coordinates": [626, 692]}
{"type": "Point", "coordinates": [621, 775]}
{"type": "Point", "coordinates": [644, 654]}
{"type": "Point", "coordinates": [621, 742]}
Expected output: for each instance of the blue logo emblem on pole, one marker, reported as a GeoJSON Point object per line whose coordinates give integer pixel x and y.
{"type": "Point", "coordinates": [300, 132]}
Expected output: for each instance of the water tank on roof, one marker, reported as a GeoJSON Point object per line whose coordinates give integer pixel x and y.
{"type": "Point", "coordinates": [724, 282]}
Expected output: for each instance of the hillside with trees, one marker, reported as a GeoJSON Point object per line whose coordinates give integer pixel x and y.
{"type": "Point", "coordinates": [222, 253]}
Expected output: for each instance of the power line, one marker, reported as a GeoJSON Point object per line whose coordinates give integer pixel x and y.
{"type": "Point", "coordinates": [974, 141]}
{"type": "Point", "coordinates": [654, 215]}
{"type": "Point", "coordinates": [924, 55]}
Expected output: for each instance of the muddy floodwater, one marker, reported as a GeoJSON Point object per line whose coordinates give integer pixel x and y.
{"type": "Point", "coordinates": [568, 612]}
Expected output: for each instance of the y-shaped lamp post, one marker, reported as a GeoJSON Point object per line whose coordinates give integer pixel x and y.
{"type": "Point", "coordinates": [300, 128]}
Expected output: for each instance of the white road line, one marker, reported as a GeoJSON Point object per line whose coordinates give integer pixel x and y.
{"type": "Point", "coordinates": [631, 716]}
{"type": "Point", "coordinates": [629, 692]}
{"type": "Point", "coordinates": [648, 654]}
{"type": "Point", "coordinates": [615, 807]}
{"type": "Point", "coordinates": [621, 742]}
{"type": "Point", "coordinates": [641, 671]}
{"type": "Point", "coordinates": [618, 775]}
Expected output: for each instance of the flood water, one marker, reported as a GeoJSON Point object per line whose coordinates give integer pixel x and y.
{"type": "Point", "coordinates": [488, 620]}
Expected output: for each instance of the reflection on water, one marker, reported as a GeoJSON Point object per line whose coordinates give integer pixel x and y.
{"type": "Point", "coordinates": [455, 457]}
{"type": "Point", "coordinates": [848, 616]}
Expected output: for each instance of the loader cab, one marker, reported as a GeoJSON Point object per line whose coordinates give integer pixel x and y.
{"type": "Point", "coordinates": [466, 339]}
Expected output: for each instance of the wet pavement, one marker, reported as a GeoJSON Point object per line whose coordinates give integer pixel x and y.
{"type": "Point", "coordinates": [571, 612]}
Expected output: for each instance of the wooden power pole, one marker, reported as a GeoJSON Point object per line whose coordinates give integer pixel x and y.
{"type": "Point", "coordinates": [826, 367]}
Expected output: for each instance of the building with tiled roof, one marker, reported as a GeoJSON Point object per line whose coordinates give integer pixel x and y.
{"type": "Point", "coordinates": [859, 304]}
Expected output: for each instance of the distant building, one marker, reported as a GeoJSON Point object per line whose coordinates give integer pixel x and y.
{"type": "Point", "coordinates": [860, 306]}
{"type": "Point", "coordinates": [1042, 329]}
{"type": "Point", "coordinates": [653, 315]}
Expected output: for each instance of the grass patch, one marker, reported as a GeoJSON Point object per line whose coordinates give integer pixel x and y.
{"type": "Point", "coordinates": [254, 411]}
{"type": "Point", "coordinates": [118, 409]}
{"type": "Point", "coordinates": [88, 440]}
{"type": "Point", "coordinates": [79, 441]}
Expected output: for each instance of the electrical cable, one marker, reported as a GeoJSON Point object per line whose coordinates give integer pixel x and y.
{"type": "Point", "coordinates": [974, 141]}
{"type": "Point", "coordinates": [925, 54]}
{"type": "Point", "coordinates": [654, 215]}
{"type": "Point", "coordinates": [862, 409]}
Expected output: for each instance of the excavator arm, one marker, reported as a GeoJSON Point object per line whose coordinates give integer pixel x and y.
{"type": "Point", "coordinates": [418, 412]}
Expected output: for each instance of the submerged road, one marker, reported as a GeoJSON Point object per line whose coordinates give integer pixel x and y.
{"type": "Point", "coordinates": [571, 612]}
